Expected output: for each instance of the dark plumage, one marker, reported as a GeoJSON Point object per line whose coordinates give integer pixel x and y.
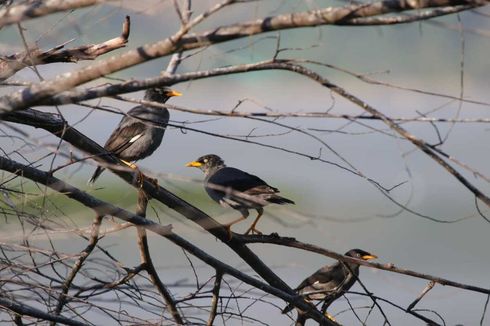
{"type": "Point", "coordinates": [237, 189]}
{"type": "Point", "coordinates": [140, 132]}
{"type": "Point", "coordinates": [332, 281]}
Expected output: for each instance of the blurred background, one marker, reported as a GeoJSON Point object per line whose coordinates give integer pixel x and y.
{"type": "Point", "coordinates": [437, 230]}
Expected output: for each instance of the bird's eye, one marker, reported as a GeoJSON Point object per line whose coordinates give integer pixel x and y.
{"type": "Point", "coordinates": [205, 160]}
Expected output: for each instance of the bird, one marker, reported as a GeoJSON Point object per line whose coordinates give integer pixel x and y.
{"type": "Point", "coordinates": [140, 132]}
{"type": "Point", "coordinates": [231, 187]}
{"type": "Point", "coordinates": [330, 282]}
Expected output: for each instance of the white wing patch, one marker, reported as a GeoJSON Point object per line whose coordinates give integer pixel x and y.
{"type": "Point", "coordinates": [135, 138]}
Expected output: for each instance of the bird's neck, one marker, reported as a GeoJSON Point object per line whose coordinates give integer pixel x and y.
{"type": "Point", "coordinates": [354, 268]}
{"type": "Point", "coordinates": [213, 170]}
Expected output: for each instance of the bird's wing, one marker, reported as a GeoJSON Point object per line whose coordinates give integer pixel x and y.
{"type": "Point", "coordinates": [322, 276]}
{"type": "Point", "coordinates": [240, 181]}
{"type": "Point", "coordinates": [124, 136]}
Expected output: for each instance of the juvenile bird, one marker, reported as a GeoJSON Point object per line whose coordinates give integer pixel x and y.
{"type": "Point", "coordinates": [234, 188]}
{"type": "Point", "coordinates": [331, 282]}
{"type": "Point", "coordinates": [140, 132]}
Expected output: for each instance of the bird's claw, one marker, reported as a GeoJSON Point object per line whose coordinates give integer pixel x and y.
{"type": "Point", "coordinates": [329, 316]}
{"type": "Point", "coordinates": [228, 231]}
{"type": "Point", "coordinates": [253, 230]}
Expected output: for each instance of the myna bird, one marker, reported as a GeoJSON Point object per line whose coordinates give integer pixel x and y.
{"type": "Point", "coordinates": [331, 282]}
{"type": "Point", "coordinates": [140, 132]}
{"type": "Point", "coordinates": [237, 189]}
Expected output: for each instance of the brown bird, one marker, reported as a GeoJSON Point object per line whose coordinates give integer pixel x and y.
{"type": "Point", "coordinates": [330, 282]}
{"type": "Point", "coordinates": [140, 132]}
{"type": "Point", "coordinates": [234, 188]}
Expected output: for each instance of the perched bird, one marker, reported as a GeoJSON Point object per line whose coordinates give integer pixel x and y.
{"type": "Point", "coordinates": [140, 132]}
{"type": "Point", "coordinates": [237, 189]}
{"type": "Point", "coordinates": [330, 282]}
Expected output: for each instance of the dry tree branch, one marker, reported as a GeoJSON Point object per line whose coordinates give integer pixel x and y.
{"type": "Point", "coordinates": [39, 8]}
{"type": "Point", "coordinates": [215, 299]}
{"type": "Point", "coordinates": [179, 41]}
{"type": "Point", "coordinates": [59, 128]}
{"type": "Point", "coordinates": [147, 261]}
{"type": "Point", "coordinates": [293, 243]}
{"type": "Point", "coordinates": [431, 151]}
{"type": "Point", "coordinates": [21, 309]}
{"type": "Point", "coordinates": [405, 19]}
{"type": "Point", "coordinates": [104, 208]}
{"type": "Point", "coordinates": [11, 64]}
{"type": "Point", "coordinates": [94, 238]}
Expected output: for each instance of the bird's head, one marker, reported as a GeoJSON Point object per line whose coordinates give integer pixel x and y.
{"type": "Point", "coordinates": [160, 94]}
{"type": "Point", "coordinates": [207, 163]}
{"type": "Point", "coordinates": [360, 254]}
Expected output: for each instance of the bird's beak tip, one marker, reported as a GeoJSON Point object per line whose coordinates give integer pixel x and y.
{"type": "Point", "coordinates": [193, 164]}
{"type": "Point", "coordinates": [174, 93]}
{"type": "Point", "coordinates": [369, 257]}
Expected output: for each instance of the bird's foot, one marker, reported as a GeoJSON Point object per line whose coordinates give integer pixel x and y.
{"type": "Point", "coordinates": [329, 316]}
{"type": "Point", "coordinates": [130, 165]}
{"type": "Point", "coordinates": [253, 230]}
{"type": "Point", "coordinates": [153, 181]}
{"type": "Point", "coordinates": [229, 231]}
{"type": "Point", "coordinates": [140, 179]}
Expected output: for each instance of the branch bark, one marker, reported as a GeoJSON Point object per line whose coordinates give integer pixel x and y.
{"type": "Point", "coordinates": [293, 243]}
{"type": "Point", "coordinates": [148, 262]}
{"type": "Point", "coordinates": [36, 93]}
{"type": "Point", "coordinates": [11, 64]}
{"type": "Point", "coordinates": [39, 8]}
{"type": "Point", "coordinates": [104, 208]}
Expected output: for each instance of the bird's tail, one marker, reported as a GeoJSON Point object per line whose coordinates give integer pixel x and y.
{"type": "Point", "coordinates": [279, 200]}
{"type": "Point", "coordinates": [96, 174]}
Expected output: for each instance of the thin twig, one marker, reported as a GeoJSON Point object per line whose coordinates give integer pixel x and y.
{"type": "Point", "coordinates": [215, 300]}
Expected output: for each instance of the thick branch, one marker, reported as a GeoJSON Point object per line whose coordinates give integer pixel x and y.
{"type": "Point", "coordinates": [59, 128]}
{"type": "Point", "coordinates": [94, 238]}
{"type": "Point", "coordinates": [25, 310]}
{"type": "Point", "coordinates": [9, 65]}
{"type": "Point", "coordinates": [89, 201]}
{"type": "Point", "coordinates": [178, 42]}
{"type": "Point", "coordinates": [293, 243]}
{"type": "Point", "coordinates": [100, 207]}
{"type": "Point", "coordinates": [148, 262]}
{"type": "Point", "coordinates": [39, 8]}
{"type": "Point", "coordinates": [215, 300]}
{"type": "Point", "coordinates": [286, 65]}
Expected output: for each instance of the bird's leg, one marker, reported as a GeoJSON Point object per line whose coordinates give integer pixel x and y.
{"type": "Point", "coordinates": [252, 228]}
{"type": "Point", "coordinates": [329, 316]}
{"type": "Point", "coordinates": [229, 225]}
{"type": "Point", "coordinates": [131, 165]}
{"type": "Point", "coordinates": [140, 177]}
{"type": "Point", "coordinates": [324, 311]}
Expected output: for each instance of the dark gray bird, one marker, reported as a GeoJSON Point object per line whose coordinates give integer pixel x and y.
{"type": "Point", "coordinates": [237, 189]}
{"type": "Point", "coordinates": [140, 132]}
{"type": "Point", "coordinates": [330, 282]}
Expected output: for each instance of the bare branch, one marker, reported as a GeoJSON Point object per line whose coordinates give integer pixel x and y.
{"type": "Point", "coordinates": [39, 8]}
{"type": "Point", "coordinates": [107, 209]}
{"type": "Point", "coordinates": [215, 300]}
{"type": "Point", "coordinates": [292, 242]}
{"type": "Point", "coordinates": [178, 42]}
{"type": "Point", "coordinates": [94, 238]}
{"type": "Point", "coordinates": [23, 309]}
{"type": "Point", "coordinates": [147, 262]}
{"type": "Point", "coordinates": [421, 295]}
{"type": "Point", "coordinates": [9, 65]}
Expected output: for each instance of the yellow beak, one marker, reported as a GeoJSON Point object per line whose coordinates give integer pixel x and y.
{"type": "Point", "coordinates": [194, 164]}
{"type": "Point", "coordinates": [173, 93]}
{"type": "Point", "coordinates": [369, 257]}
